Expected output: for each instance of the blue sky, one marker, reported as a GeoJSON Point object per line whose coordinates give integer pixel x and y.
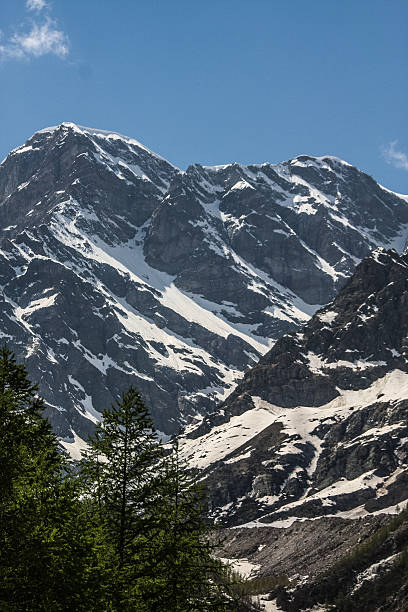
{"type": "Point", "coordinates": [216, 81]}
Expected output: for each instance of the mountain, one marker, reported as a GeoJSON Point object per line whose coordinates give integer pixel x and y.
{"type": "Point", "coordinates": [309, 454]}
{"type": "Point", "coordinates": [319, 426]}
{"type": "Point", "coordinates": [371, 576]}
{"type": "Point", "coordinates": [117, 268]}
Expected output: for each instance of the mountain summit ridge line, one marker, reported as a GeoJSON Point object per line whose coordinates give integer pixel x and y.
{"type": "Point", "coordinates": [117, 268]}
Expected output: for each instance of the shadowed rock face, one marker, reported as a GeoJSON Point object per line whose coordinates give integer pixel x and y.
{"type": "Point", "coordinates": [319, 427]}
{"type": "Point", "coordinates": [117, 268]}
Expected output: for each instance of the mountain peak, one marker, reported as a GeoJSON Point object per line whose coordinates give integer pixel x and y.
{"type": "Point", "coordinates": [196, 273]}
{"type": "Point", "coordinates": [109, 135]}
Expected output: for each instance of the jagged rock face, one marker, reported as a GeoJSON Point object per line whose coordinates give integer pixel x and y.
{"type": "Point", "coordinates": [117, 268]}
{"type": "Point", "coordinates": [299, 223]}
{"type": "Point", "coordinates": [319, 427]}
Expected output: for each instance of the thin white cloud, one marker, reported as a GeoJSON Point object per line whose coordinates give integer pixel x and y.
{"type": "Point", "coordinates": [36, 5]}
{"type": "Point", "coordinates": [41, 37]}
{"type": "Point", "coordinates": [393, 156]}
{"type": "Point", "coordinates": [40, 40]}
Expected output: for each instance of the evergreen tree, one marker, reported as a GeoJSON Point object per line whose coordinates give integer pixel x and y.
{"type": "Point", "coordinates": [119, 476]}
{"type": "Point", "coordinates": [128, 535]}
{"type": "Point", "coordinates": [191, 579]}
{"type": "Point", "coordinates": [25, 437]}
{"type": "Point", "coordinates": [44, 550]}
{"type": "Point", "coordinates": [152, 516]}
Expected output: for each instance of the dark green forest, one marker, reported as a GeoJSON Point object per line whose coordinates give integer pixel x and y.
{"type": "Point", "coordinates": [124, 529]}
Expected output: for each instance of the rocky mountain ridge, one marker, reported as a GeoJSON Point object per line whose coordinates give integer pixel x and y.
{"type": "Point", "coordinates": [118, 268]}
{"type": "Point", "coordinates": [319, 426]}
{"type": "Point", "coordinates": [307, 459]}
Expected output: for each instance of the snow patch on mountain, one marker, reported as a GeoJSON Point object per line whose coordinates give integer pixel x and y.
{"type": "Point", "coordinates": [185, 278]}
{"type": "Point", "coordinates": [226, 438]}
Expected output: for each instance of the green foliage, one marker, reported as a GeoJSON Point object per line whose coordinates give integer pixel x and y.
{"type": "Point", "coordinates": [118, 473]}
{"type": "Point", "coordinates": [25, 437]}
{"type": "Point", "coordinates": [367, 551]}
{"type": "Point", "coordinates": [124, 531]}
{"type": "Point", "coordinates": [372, 593]}
{"type": "Point", "coordinates": [42, 537]}
{"type": "Point", "coordinates": [190, 576]}
{"type": "Point", "coordinates": [151, 517]}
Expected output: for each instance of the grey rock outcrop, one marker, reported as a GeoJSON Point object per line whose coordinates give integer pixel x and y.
{"type": "Point", "coordinates": [319, 427]}
{"type": "Point", "coordinates": [117, 268]}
